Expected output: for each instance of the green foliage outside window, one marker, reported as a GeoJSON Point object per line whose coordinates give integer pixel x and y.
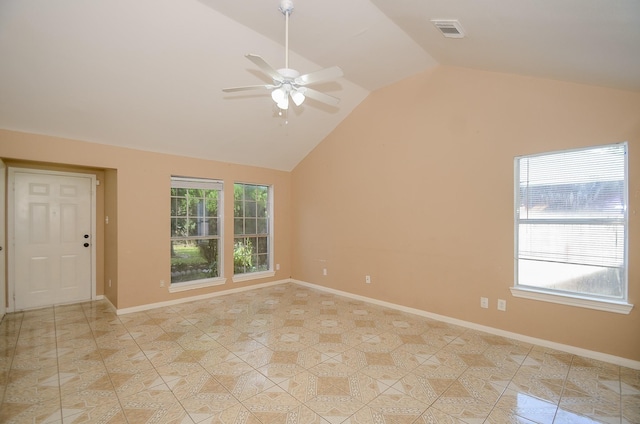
{"type": "Point", "coordinates": [194, 234]}
{"type": "Point", "coordinates": [251, 228]}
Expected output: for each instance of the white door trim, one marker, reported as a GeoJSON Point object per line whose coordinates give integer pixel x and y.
{"type": "Point", "coordinates": [3, 243]}
{"type": "Point", "coordinates": [11, 226]}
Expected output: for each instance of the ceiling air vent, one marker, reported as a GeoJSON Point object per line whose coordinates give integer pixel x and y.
{"type": "Point", "coordinates": [449, 28]}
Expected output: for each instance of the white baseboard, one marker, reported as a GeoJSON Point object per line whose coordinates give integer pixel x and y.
{"type": "Point", "coordinates": [149, 306]}
{"type": "Point", "coordinates": [629, 363]}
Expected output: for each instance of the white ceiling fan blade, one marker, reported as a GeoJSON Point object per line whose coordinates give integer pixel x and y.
{"type": "Point", "coordinates": [327, 74]}
{"type": "Point", "coordinates": [321, 97]}
{"type": "Point", "coordinates": [265, 67]}
{"type": "Point", "coordinates": [248, 87]}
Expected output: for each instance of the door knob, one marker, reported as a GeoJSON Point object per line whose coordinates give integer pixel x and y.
{"type": "Point", "coordinates": [86, 236]}
{"type": "Point", "coordinates": [86, 245]}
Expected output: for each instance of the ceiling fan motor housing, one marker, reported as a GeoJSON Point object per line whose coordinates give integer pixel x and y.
{"type": "Point", "coordinates": [286, 6]}
{"type": "Point", "coordinates": [288, 73]}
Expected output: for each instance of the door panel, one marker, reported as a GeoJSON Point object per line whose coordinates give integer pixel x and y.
{"type": "Point", "coordinates": [52, 215]}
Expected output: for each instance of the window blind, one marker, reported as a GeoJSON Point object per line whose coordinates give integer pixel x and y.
{"type": "Point", "coordinates": [571, 209]}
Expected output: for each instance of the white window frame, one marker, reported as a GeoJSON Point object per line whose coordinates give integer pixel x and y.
{"type": "Point", "coordinates": [270, 272]}
{"type": "Point", "coordinates": [206, 184]}
{"type": "Point", "coordinates": [564, 297]}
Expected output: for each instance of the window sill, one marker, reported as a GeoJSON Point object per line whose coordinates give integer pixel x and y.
{"type": "Point", "coordinates": [252, 276]}
{"type": "Point", "coordinates": [581, 302]}
{"type": "Point", "coordinates": [200, 284]}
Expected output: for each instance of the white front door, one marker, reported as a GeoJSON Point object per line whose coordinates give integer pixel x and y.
{"type": "Point", "coordinates": [52, 238]}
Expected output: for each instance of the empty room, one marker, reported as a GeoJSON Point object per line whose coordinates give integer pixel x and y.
{"type": "Point", "coordinates": [277, 211]}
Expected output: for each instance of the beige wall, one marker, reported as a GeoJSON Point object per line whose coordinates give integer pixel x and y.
{"type": "Point", "coordinates": [137, 247]}
{"type": "Point", "coordinates": [415, 188]}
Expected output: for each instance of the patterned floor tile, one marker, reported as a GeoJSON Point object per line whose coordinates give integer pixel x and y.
{"type": "Point", "coordinates": [230, 369]}
{"type": "Point", "coordinates": [500, 416]}
{"type": "Point", "coordinates": [16, 411]}
{"type": "Point", "coordinates": [280, 372]}
{"type": "Point", "coordinates": [154, 406]}
{"type": "Point", "coordinates": [250, 384]}
{"type": "Point", "coordinates": [328, 324]}
{"type": "Point", "coordinates": [297, 415]}
{"type": "Point", "coordinates": [120, 351]}
{"type": "Point", "coordinates": [41, 385]}
{"type": "Point", "coordinates": [202, 394]}
{"type": "Point", "coordinates": [600, 409]}
{"type": "Point", "coordinates": [76, 382]}
{"type": "Point", "coordinates": [567, 417]}
{"type": "Point", "coordinates": [128, 383]}
{"type": "Point", "coordinates": [405, 393]}
{"type": "Point", "coordinates": [631, 408]}
{"type": "Point", "coordinates": [387, 415]}
{"type": "Point", "coordinates": [272, 400]}
{"type": "Point", "coordinates": [335, 409]}
{"type": "Point", "coordinates": [450, 359]}
{"type": "Point", "coordinates": [435, 416]}
{"type": "Point", "coordinates": [85, 407]}
{"type": "Point", "coordinates": [206, 412]}
{"type": "Point", "coordinates": [547, 385]}
{"type": "Point", "coordinates": [378, 342]}
{"type": "Point", "coordinates": [417, 386]}
{"type": "Point", "coordinates": [496, 369]}
{"type": "Point", "coordinates": [468, 410]}
{"type": "Point", "coordinates": [513, 403]}
{"type": "Point", "coordinates": [288, 339]}
{"type": "Point", "coordinates": [79, 366]}
{"type": "Point", "coordinates": [291, 354]}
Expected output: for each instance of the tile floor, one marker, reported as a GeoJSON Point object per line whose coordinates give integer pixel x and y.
{"type": "Point", "coordinates": [290, 354]}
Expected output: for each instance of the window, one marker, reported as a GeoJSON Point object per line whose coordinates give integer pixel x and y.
{"type": "Point", "coordinates": [196, 231]}
{"type": "Point", "coordinates": [571, 224]}
{"type": "Point", "coordinates": [252, 243]}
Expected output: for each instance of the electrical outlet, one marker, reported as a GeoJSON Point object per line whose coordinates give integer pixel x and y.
{"type": "Point", "coordinates": [367, 279]}
{"type": "Point", "coordinates": [324, 271]}
{"type": "Point", "coordinates": [502, 305]}
{"type": "Point", "coordinates": [484, 302]}
{"type": "Point", "coordinates": [161, 283]}
{"type": "Point", "coordinates": [109, 282]}
{"type": "Point", "coordinates": [277, 267]}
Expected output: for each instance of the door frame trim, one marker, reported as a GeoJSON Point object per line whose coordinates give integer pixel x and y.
{"type": "Point", "coordinates": [11, 226]}
{"type": "Point", "coordinates": [3, 239]}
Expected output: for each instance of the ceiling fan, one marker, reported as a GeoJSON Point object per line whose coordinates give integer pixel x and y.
{"type": "Point", "coordinates": [287, 82]}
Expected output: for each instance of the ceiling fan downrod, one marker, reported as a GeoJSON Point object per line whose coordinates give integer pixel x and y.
{"type": "Point", "coordinates": [286, 7]}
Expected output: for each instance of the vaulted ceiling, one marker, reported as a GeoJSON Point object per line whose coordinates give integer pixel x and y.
{"type": "Point", "coordinates": [148, 74]}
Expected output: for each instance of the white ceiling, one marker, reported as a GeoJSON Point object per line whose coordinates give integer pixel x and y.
{"type": "Point", "coordinates": [148, 74]}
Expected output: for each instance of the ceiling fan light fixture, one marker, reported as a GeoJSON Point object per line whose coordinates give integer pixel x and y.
{"type": "Point", "coordinates": [297, 96]}
{"type": "Point", "coordinates": [278, 95]}
{"type": "Point", "coordinates": [281, 97]}
{"type": "Point", "coordinates": [284, 103]}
